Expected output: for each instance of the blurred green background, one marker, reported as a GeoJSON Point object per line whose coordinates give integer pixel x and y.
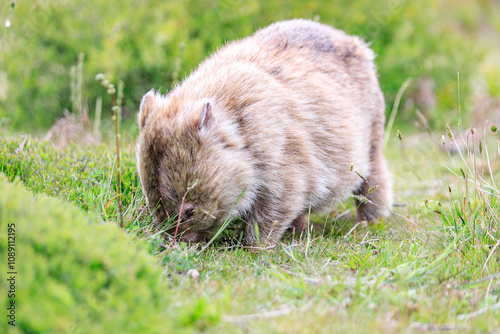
{"type": "Point", "coordinates": [156, 43]}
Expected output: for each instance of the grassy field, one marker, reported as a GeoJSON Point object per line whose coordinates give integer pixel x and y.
{"type": "Point", "coordinates": [434, 265]}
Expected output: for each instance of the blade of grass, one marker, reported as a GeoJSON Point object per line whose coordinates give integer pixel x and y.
{"type": "Point", "coordinates": [224, 225]}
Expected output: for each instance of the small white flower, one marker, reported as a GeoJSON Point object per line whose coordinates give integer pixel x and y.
{"type": "Point", "coordinates": [7, 23]}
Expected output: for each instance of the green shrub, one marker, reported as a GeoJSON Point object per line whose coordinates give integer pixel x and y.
{"type": "Point", "coordinates": [158, 42]}
{"type": "Point", "coordinates": [74, 274]}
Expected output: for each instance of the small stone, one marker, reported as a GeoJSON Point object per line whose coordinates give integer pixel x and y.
{"type": "Point", "coordinates": [193, 273]}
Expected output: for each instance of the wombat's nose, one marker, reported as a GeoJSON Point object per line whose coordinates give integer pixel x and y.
{"type": "Point", "coordinates": [187, 210]}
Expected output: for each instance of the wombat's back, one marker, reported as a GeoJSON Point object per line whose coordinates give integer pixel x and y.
{"type": "Point", "coordinates": [304, 96]}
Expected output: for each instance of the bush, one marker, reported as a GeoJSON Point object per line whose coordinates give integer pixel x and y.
{"type": "Point", "coordinates": [159, 42]}
{"type": "Point", "coordinates": [75, 274]}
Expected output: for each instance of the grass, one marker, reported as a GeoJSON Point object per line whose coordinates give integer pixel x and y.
{"type": "Point", "coordinates": [434, 265]}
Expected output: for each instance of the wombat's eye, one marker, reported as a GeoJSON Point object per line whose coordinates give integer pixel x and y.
{"type": "Point", "coordinates": [189, 213]}
{"type": "Point", "coordinates": [188, 210]}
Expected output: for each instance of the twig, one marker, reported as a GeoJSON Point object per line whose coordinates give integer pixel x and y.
{"type": "Point", "coordinates": [345, 213]}
{"type": "Point", "coordinates": [479, 312]}
{"type": "Point", "coordinates": [249, 247]}
{"type": "Point", "coordinates": [261, 248]}
{"type": "Point", "coordinates": [434, 327]}
{"type": "Point", "coordinates": [326, 262]}
{"type": "Point", "coordinates": [347, 282]}
{"type": "Point", "coordinates": [264, 315]}
{"type": "Point", "coordinates": [352, 229]}
{"type": "Point", "coordinates": [304, 277]}
{"type": "Point", "coordinates": [484, 279]}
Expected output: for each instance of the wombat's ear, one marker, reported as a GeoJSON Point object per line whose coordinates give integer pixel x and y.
{"type": "Point", "coordinates": [206, 116]}
{"type": "Point", "coordinates": [147, 107]}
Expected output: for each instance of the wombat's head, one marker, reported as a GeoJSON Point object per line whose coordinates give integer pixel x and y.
{"type": "Point", "coordinates": [183, 143]}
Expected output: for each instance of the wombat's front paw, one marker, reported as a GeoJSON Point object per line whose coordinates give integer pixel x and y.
{"type": "Point", "coordinates": [259, 239]}
{"type": "Point", "coordinates": [300, 223]}
{"type": "Point", "coordinates": [366, 214]}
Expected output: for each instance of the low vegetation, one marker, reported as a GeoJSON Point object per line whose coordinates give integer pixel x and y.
{"type": "Point", "coordinates": [76, 274]}
{"type": "Point", "coordinates": [433, 265]}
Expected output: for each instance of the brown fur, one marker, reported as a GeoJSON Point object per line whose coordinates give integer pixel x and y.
{"type": "Point", "coordinates": [282, 114]}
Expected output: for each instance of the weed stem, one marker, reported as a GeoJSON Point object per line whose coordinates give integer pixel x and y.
{"type": "Point", "coordinates": [118, 167]}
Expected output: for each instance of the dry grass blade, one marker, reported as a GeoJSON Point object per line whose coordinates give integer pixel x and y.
{"type": "Point", "coordinates": [285, 310]}
{"type": "Point", "coordinates": [479, 312]}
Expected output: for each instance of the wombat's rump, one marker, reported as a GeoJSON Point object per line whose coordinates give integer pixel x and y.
{"type": "Point", "coordinates": [283, 115]}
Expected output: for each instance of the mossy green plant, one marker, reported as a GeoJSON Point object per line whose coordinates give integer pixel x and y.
{"type": "Point", "coordinates": [75, 273]}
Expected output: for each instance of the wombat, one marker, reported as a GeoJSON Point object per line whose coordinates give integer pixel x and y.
{"type": "Point", "coordinates": [291, 117]}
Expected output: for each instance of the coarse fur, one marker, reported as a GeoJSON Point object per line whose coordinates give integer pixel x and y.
{"type": "Point", "coordinates": [288, 115]}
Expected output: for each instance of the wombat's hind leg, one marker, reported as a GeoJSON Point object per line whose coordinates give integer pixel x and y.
{"type": "Point", "coordinates": [379, 198]}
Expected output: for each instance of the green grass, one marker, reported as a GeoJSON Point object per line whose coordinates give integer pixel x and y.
{"type": "Point", "coordinates": [434, 265]}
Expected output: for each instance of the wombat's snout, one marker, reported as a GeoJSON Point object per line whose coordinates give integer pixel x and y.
{"type": "Point", "coordinates": [188, 229]}
{"type": "Point", "coordinates": [193, 237]}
